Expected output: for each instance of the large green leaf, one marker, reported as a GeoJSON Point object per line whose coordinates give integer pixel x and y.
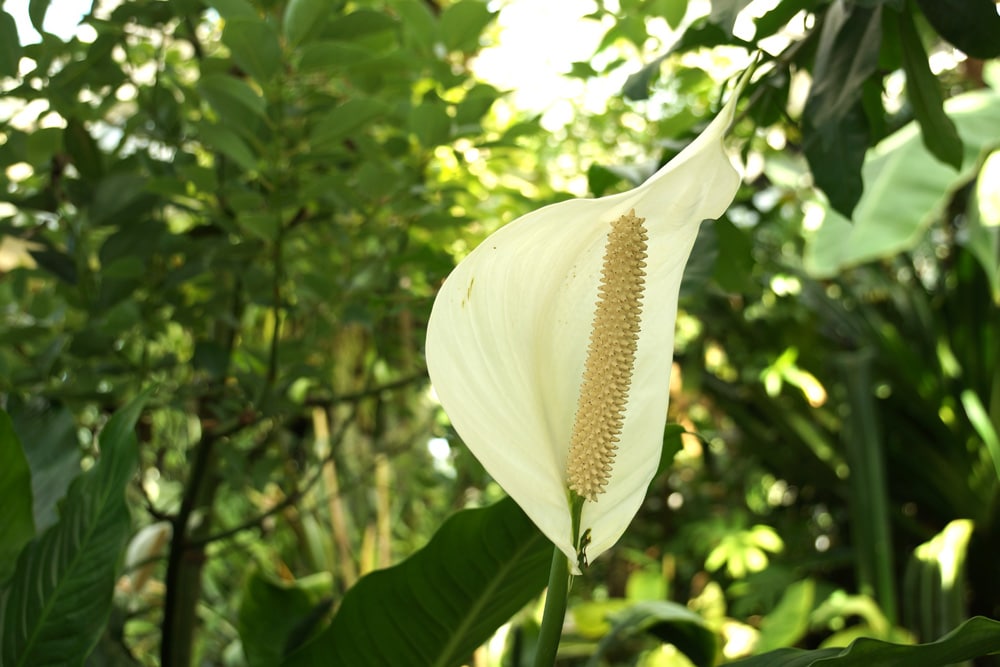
{"type": "Point", "coordinates": [906, 189]}
{"type": "Point", "coordinates": [437, 606]}
{"type": "Point", "coordinates": [59, 597]}
{"type": "Point", "coordinates": [17, 525]}
{"type": "Point", "coordinates": [834, 126]}
{"type": "Point", "coordinates": [976, 637]}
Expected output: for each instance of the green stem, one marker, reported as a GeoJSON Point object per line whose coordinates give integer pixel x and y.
{"type": "Point", "coordinates": [555, 610]}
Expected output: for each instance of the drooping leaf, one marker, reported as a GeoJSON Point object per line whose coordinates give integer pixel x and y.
{"type": "Point", "coordinates": [10, 47]}
{"type": "Point", "coordinates": [924, 92]}
{"type": "Point", "coordinates": [17, 525]}
{"type": "Point", "coordinates": [976, 637]}
{"type": "Point", "coordinates": [971, 25]}
{"type": "Point", "coordinates": [834, 125]}
{"type": "Point", "coordinates": [59, 597]}
{"type": "Point", "coordinates": [906, 189]}
{"type": "Point", "coordinates": [53, 454]}
{"type": "Point", "coordinates": [437, 606]}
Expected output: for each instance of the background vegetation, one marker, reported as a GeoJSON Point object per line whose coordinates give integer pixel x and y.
{"type": "Point", "coordinates": [224, 223]}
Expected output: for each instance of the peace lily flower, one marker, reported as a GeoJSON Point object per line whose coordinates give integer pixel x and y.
{"type": "Point", "coordinates": [550, 344]}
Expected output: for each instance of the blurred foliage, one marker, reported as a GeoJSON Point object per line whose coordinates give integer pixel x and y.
{"type": "Point", "coordinates": [247, 206]}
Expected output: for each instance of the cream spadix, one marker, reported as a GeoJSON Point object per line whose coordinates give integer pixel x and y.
{"type": "Point", "coordinates": [550, 345]}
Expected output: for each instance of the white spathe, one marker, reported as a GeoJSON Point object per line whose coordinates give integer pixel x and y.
{"type": "Point", "coordinates": [509, 330]}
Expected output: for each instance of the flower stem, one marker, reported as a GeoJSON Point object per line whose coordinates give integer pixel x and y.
{"type": "Point", "coordinates": [555, 610]}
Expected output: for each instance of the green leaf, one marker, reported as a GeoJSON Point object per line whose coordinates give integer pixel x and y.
{"type": "Point", "coordinates": [36, 12]}
{"type": "Point", "coordinates": [440, 604]}
{"type": "Point", "coordinates": [340, 122]}
{"type": "Point", "coordinates": [462, 23]}
{"type": "Point", "coordinates": [835, 129]}
{"type": "Point", "coordinates": [976, 637]}
{"type": "Point", "coordinates": [670, 622]}
{"type": "Point", "coordinates": [430, 122]}
{"type": "Point", "coordinates": [83, 150]}
{"type": "Point", "coordinates": [777, 18]}
{"type": "Point", "coordinates": [254, 45]}
{"type": "Point", "coordinates": [10, 47]}
{"type": "Point", "coordinates": [60, 595]}
{"type": "Point", "coordinates": [228, 143]}
{"type": "Point", "coordinates": [54, 455]}
{"type": "Point", "coordinates": [274, 616]}
{"type": "Point", "coordinates": [17, 524]}
{"type": "Point", "coordinates": [971, 25]}
{"type": "Point", "coordinates": [233, 9]}
{"type": "Point", "coordinates": [303, 18]}
{"type": "Point", "coordinates": [672, 11]}
{"type": "Point", "coordinates": [238, 105]}
{"type": "Point", "coordinates": [906, 189]}
{"type": "Point", "coordinates": [724, 13]}
{"type": "Point", "coordinates": [788, 622]}
{"type": "Point", "coordinates": [924, 92]}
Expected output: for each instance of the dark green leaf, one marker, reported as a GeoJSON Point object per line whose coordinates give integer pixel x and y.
{"type": "Point", "coordinates": [668, 621]}
{"type": "Point", "coordinates": [254, 45]}
{"type": "Point", "coordinates": [271, 613]}
{"type": "Point", "coordinates": [53, 454]}
{"type": "Point", "coordinates": [232, 9]}
{"type": "Point", "coordinates": [462, 23]}
{"type": "Point", "coordinates": [777, 18]}
{"type": "Point", "coordinates": [10, 47]}
{"type": "Point", "coordinates": [835, 129]}
{"type": "Point", "coordinates": [732, 270]}
{"type": "Point", "coordinates": [237, 104]}
{"type": "Point", "coordinates": [924, 93]}
{"type": "Point", "coordinates": [971, 25]}
{"type": "Point", "coordinates": [303, 18]}
{"type": "Point", "coordinates": [724, 13]}
{"type": "Point", "coordinates": [36, 12]}
{"type": "Point", "coordinates": [976, 637]}
{"type": "Point", "coordinates": [17, 525]}
{"type": "Point", "coordinates": [60, 595]}
{"type": "Point", "coordinates": [56, 262]}
{"type": "Point", "coordinates": [437, 606]}
{"type": "Point", "coordinates": [359, 24]}
{"type": "Point", "coordinates": [340, 122]}
{"type": "Point", "coordinates": [83, 150]}
{"type": "Point", "coordinates": [229, 144]}
{"type": "Point", "coordinates": [431, 123]}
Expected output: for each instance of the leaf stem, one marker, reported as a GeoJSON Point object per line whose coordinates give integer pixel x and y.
{"type": "Point", "coordinates": [555, 610]}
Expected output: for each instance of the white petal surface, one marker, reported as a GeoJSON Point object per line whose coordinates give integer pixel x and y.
{"type": "Point", "coordinates": [508, 335]}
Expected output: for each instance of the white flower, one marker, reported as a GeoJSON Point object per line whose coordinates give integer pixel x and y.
{"type": "Point", "coordinates": [550, 345]}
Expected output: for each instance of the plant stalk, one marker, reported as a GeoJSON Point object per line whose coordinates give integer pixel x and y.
{"type": "Point", "coordinates": [555, 610]}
